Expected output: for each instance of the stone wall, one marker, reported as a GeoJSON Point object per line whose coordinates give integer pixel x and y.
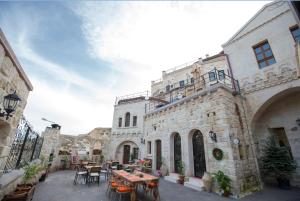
{"type": "Point", "coordinates": [132, 134]}
{"type": "Point", "coordinates": [208, 110]}
{"type": "Point", "coordinates": [12, 78]}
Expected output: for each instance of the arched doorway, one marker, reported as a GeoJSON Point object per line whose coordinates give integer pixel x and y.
{"type": "Point", "coordinates": [198, 154]}
{"type": "Point", "coordinates": [277, 117]}
{"type": "Point", "coordinates": [127, 151]}
{"type": "Point", "coordinates": [158, 154]}
{"type": "Point", "coordinates": [177, 152]}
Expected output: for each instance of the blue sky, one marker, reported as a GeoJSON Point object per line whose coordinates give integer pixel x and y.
{"type": "Point", "coordinates": [81, 55]}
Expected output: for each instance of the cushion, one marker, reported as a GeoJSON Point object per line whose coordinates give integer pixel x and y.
{"type": "Point", "coordinates": [124, 189]}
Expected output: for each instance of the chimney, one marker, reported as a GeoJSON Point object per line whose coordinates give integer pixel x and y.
{"type": "Point", "coordinates": [207, 55]}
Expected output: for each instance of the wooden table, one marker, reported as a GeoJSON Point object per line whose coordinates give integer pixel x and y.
{"type": "Point", "coordinates": [134, 179]}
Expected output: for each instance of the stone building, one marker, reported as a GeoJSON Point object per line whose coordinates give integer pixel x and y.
{"type": "Point", "coordinates": [85, 146]}
{"type": "Point", "coordinates": [215, 113]}
{"type": "Point", "coordinates": [264, 56]}
{"type": "Point", "coordinates": [12, 78]}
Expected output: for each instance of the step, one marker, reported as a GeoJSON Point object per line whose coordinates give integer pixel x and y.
{"type": "Point", "coordinates": [193, 182]}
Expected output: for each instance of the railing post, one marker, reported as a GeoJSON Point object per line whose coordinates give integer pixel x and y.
{"type": "Point", "coordinates": [34, 146]}
{"type": "Point", "coordinates": [22, 148]}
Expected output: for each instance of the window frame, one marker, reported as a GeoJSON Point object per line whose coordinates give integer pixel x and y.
{"type": "Point", "coordinates": [134, 120]}
{"type": "Point", "coordinates": [293, 28]}
{"type": "Point", "coordinates": [168, 88]}
{"type": "Point", "coordinates": [214, 76]}
{"type": "Point", "coordinates": [265, 58]}
{"type": "Point", "coordinates": [221, 74]}
{"type": "Point", "coordinates": [120, 122]}
{"type": "Point", "coordinates": [149, 144]}
{"type": "Point", "coordinates": [181, 83]}
{"type": "Point", "coordinates": [127, 119]}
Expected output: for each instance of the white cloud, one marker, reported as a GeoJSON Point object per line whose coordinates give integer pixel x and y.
{"type": "Point", "coordinates": [140, 39]}
{"type": "Point", "coordinates": [159, 35]}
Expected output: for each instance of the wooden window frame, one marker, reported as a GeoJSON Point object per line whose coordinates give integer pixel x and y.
{"type": "Point", "coordinates": [181, 85]}
{"type": "Point", "coordinates": [265, 58]}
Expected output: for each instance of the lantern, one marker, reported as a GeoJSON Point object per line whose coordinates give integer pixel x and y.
{"type": "Point", "coordinates": [10, 103]}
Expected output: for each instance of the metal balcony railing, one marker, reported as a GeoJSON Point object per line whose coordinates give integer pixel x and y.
{"type": "Point", "coordinates": [177, 91]}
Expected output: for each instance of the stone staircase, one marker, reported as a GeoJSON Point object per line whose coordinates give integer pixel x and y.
{"type": "Point", "coordinates": [193, 182]}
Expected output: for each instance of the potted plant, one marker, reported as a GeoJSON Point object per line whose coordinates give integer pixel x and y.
{"type": "Point", "coordinates": [223, 182]}
{"type": "Point", "coordinates": [64, 161]}
{"type": "Point", "coordinates": [181, 169]}
{"type": "Point", "coordinates": [43, 166]}
{"type": "Point", "coordinates": [24, 191]}
{"type": "Point", "coordinates": [277, 162]}
{"type": "Point", "coordinates": [163, 168]}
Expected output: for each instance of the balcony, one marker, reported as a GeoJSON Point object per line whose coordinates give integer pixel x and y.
{"type": "Point", "coordinates": [204, 82]}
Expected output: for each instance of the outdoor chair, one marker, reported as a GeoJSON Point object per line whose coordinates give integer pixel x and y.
{"type": "Point", "coordinates": [80, 174]}
{"type": "Point", "coordinates": [152, 187]}
{"type": "Point", "coordinates": [104, 170]}
{"type": "Point", "coordinates": [94, 174]}
{"type": "Point", "coordinates": [113, 183]}
{"type": "Point", "coordinates": [124, 189]}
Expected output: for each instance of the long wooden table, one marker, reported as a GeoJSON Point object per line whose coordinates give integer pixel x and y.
{"type": "Point", "coordinates": [134, 179]}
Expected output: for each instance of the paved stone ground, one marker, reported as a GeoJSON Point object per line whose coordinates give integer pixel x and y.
{"type": "Point", "coordinates": [59, 187]}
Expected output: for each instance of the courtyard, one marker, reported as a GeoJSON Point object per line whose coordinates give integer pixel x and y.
{"type": "Point", "coordinates": [59, 187]}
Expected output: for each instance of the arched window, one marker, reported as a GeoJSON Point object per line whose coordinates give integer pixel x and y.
{"type": "Point", "coordinates": [127, 119]}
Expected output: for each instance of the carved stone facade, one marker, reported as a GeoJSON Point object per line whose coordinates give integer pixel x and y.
{"type": "Point", "coordinates": [199, 100]}
{"type": "Point", "coordinates": [12, 78]}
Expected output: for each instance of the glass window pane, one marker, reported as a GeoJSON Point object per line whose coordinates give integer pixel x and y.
{"type": "Point", "coordinates": [271, 61]}
{"type": "Point", "coordinates": [259, 56]}
{"type": "Point", "coordinates": [266, 46]}
{"type": "Point", "coordinates": [212, 76]}
{"type": "Point", "coordinates": [296, 32]}
{"type": "Point", "coordinates": [221, 74]}
{"type": "Point", "coordinates": [268, 53]}
{"type": "Point", "coordinates": [257, 50]}
{"type": "Point", "coordinates": [262, 64]}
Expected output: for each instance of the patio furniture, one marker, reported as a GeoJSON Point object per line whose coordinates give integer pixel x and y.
{"type": "Point", "coordinates": [94, 173]}
{"type": "Point", "coordinates": [152, 188]}
{"type": "Point", "coordinates": [105, 171]}
{"type": "Point", "coordinates": [81, 173]}
{"type": "Point", "coordinates": [136, 178]}
{"type": "Point", "coordinates": [124, 189]}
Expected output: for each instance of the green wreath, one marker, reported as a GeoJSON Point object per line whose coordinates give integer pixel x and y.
{"type": "Point", "coordinates": [218, 154]}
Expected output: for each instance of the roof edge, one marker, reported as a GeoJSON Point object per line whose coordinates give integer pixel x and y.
{"type": "Point", "coordinates": [15, 60]}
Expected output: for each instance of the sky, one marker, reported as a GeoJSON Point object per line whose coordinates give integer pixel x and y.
{"type": "Point", "coordinates": [81, 55]}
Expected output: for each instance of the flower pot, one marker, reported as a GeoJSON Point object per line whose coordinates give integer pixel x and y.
{"type": "Point", "coordinates": [163, 170]}
{"type": "Point", "coordinates": [283, 183]}
{"type": "Point", "coordinates": [226, 194]}
{"type": "Point", "coordinates": [180, 179]}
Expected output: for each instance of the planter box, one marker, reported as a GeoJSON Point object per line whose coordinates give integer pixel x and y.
{"type": "Point", "coordinates": [20, 194]}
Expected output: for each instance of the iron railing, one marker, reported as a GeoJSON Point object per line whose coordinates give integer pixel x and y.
{"type": "Point", "coordinates": [26, 146]}
{"type": "Point", "coordinates": [175, 91]}
{"type": "Point", "coordinates": [124, 99]}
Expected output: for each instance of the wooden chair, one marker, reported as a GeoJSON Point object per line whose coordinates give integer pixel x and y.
{"type": "Point", "coordinates": [124, 189]}
{"type": "Point", "coordinates": [94, 173]}
{"type": "Point", "coordinates": [81, 173]}
{"type": "Point", "coordinates": [152, 188]}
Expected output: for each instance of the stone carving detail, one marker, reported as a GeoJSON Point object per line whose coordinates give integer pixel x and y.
{"type": "Point", "coordinates": [268, 78]}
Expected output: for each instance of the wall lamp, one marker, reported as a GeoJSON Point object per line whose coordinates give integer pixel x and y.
{"type": "Point", "coordinates": [10, 103]}
{"type": "Point", "coordinates": [143, 140]}
{"type": "Point", "coordinates": [213, 136]}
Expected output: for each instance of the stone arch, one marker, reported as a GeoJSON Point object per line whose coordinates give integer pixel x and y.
{"type": "Point", "coordinates": [175, 151]}
{"type": "Point", "coordinates": [277, 116]}
{"type": "Point", "coordinates": [123, 157]}
{"type": "Point", "coordinates": [5, 130]}
{"type": "Point", "coordinates": [196, 153]}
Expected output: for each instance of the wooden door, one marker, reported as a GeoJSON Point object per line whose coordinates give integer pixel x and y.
{"type": "Point", "coordinates": [126, 154]}
{"type": "Point", "coordinates": [177, 152]}
{"type": "Point", "coordinates": [198, 154]}
{"type": "Point", "coordinates": [158, 154]}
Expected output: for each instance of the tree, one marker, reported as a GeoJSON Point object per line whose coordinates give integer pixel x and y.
{"type": "Point", "coordinates": [276, 160]}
